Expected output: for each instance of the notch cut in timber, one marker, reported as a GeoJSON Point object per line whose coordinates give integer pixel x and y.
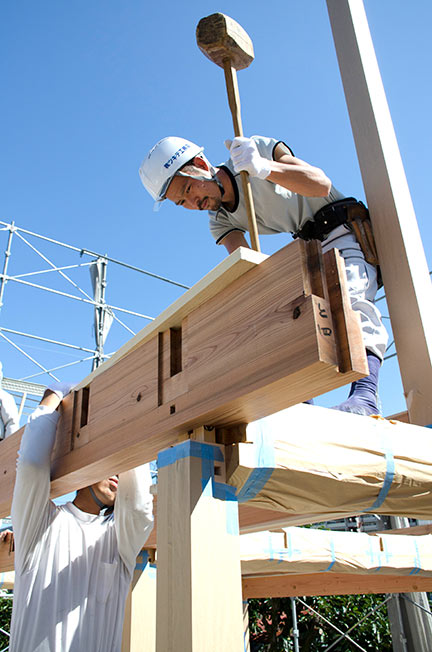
{"type": "Point", "coordinates": [80, 413]}
{"type": "Point", "coordinates": [254, 340]}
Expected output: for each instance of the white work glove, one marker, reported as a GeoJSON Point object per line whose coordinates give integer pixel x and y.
{"type": "Point", "coordinates": [245, 157]}
{"type": "Point", "coordinates": [61, 389]}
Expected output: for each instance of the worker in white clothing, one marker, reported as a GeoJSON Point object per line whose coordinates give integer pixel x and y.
{"type": "Point", "coordinates": [9, 418]}
{"type": "Point", "coordinates": [290, 196]}
{"type": "Point", "coordinates": [73, 563]}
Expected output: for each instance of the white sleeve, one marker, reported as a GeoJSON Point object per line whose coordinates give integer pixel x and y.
{"type": "Point", "coordinates": [133, 512]}
{"type": "Point", "coordinates": [30, 504]}
{"type": "Point", "coordinates": [9, 413]}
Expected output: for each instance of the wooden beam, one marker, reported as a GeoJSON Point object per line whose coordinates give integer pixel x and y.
{"type": "Point", "coordinates": [260, 344]}
{"type": "Point", "coordinates": [298, 550]}
{"type": "Point", "coordinates": [400, 250]}
{"type": "Point", "coordinates": [228, 270]}
{"type": "Point", "coordinates": [342, 465]}
{"type": "Point", "coordinates": [283, 586]}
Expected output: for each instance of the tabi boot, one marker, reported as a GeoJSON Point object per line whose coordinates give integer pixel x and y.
{"type": "Point", "coordinates": [362, 398]}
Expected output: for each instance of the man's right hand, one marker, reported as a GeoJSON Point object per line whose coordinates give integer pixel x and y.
{"type": "Point", "coordinates": [246, 157]}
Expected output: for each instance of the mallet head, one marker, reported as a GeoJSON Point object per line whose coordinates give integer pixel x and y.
{"type": "Point", "coordinates": [219, 37]}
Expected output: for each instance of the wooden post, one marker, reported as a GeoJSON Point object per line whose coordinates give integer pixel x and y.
{"type": "Point", "coordinates": [139, 628]}
{"type": "Point", "coordinates": [199, 595]}
{"type": "Point", "coordinates": [403, 263]}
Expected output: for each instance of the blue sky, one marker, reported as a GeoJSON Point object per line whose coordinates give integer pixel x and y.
{"type": "Point", "coordinates": [89, 87]}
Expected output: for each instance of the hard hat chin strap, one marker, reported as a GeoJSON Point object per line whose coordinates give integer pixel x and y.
{"type": "Point", "coordinates": [217, 180]}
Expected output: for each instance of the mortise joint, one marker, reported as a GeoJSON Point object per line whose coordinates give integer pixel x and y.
{"type": "Point", "coordinates": [175, 351]}
{"type": "Point", "coordinates": [85, 406]}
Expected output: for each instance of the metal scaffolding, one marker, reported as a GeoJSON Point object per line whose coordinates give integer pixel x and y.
{"type": "Point", "coordinates": [25, 391]}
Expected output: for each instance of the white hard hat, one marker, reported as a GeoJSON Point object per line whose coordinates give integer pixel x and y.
{"type": "Point", "coordinates": [162, 163]}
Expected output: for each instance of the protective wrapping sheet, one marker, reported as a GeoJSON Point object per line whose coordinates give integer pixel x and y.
{"type": "Point", "coordinates": [302, 550]}
{"type": "Point", "coordinates": [323, 464]}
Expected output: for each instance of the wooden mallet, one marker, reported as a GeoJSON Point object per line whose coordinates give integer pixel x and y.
{"type": "Point", "coordinates": [226, 43]}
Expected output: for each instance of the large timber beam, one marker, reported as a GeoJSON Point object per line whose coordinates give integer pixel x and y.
{"type": "Point", "coordinates": [312, 464]}
{"type": "Point", "coordinates": [403, 263]}
{"type": "Point", "coordinates": [241, 346]}
{"type": "Point", "coordinates": [284, 586]}
{"type": "Point", "coordinates": [297, 550]}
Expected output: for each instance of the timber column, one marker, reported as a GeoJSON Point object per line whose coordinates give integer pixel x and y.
{"type": "Point", "coordinates": [400, 250]}
{"type": "Point", "coordinates": [199, 589]}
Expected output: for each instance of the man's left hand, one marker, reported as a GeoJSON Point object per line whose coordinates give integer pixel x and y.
{"type": "Point", "coordinates": [245, 157]}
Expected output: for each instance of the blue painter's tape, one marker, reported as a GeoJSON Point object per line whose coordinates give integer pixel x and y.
{"type": "Point", "coordinates": [417, 568]}
{"type": "Point", "coordinates": [264, 446]}
{"type": "Point", "coordinates": [372, 556]}
{"type": "Point", "coordinates": [387, 553]}
{"type": "Point", "coordinates": [226, 493]}
{"type": "Point", "coordinates": [264, 461]}
{"type": "Point", "coordinates": [333, 556]}
{"type": "Point", "coordinates": [232, 518]}
{"type": "Point", "coordinates": [151, 571]}
{"type": "Point", "coordinates": [389, 476]}
{"type": "Point", "coordinates": [189, 448]}
{"type": "Point", "coordinates": [257, 479]}
{"type": "Point", "coordinates": [209, 454]}
{"type": "Point", "coordinates": [141, 565]}
{"type": "Point", "coordinates": [289, 543]}
{"type": "Point", "coordinates": [429, 426]}
{"type": "Point", "coordinates": [207, 476]}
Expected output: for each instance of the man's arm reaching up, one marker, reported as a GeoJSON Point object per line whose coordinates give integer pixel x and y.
{"type": "Point", "coordinates": [30, 503]}
{"type": "Point", "coordinates": [286, 170]}
{"type": "Point", "coordinates": [133, 512]}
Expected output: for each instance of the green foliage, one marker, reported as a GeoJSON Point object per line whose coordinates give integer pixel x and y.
{"type": "Point", "coordinates": [5, 618]}
{"type": "Point", "coordinates": [271, 624]}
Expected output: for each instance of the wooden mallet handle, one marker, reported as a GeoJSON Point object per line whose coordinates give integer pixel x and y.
{"type": "Point", "coordinates": [234, 104]}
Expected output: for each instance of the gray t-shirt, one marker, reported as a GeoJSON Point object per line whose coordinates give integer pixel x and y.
{"type": "Point", "coordinates": [277, 209]}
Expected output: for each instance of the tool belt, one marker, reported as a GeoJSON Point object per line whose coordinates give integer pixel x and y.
{"type": "Point", "coordinates": [344, 211]}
